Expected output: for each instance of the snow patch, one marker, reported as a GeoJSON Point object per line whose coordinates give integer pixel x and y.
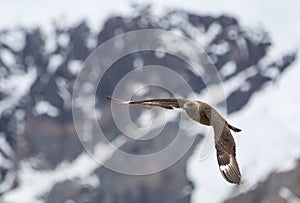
{"type": "Point", "coordinates": [8, 58]}
{"type": "Point", "coordinates": [74, 66]}
{"type": "Point", "coordinates": [44, 107]}
{"type": "Point", "coordinates": [55, 61]}
{"type": "Point", "coordinates": [63, 39]}
{"type": "Point", "coordinates": [17, 86]}
{"type": "Point", "coordinates": [228, 69]}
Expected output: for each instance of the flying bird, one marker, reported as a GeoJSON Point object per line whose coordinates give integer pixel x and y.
{"type": "Point", "coordinates": [207, 115]}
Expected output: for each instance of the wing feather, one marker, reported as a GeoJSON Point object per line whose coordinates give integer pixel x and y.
{"type": "Point", "coordinates": [163, 103]}
{"type": "Point", "coordinates": [226, 157]}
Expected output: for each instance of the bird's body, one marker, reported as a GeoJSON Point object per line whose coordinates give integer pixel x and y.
{"type": "Point", "coordinates": [205, 114]}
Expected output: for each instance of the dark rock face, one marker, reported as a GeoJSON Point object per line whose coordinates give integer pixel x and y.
{"type": "Point", "coordinates": [50, 136]}
{"type": "Point", "coordinates": [70, 190]}
{"type": "Point", "coordinates": [279, 187]}
{"type": "Point", "coordinates": [50, 141]}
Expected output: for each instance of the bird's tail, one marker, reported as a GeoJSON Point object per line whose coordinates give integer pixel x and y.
{"type": "Point", "coordinates": [235, 129]}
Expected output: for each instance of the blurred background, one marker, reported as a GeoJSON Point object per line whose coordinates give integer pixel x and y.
{"type": "Point", "coordinates": [43, 44]}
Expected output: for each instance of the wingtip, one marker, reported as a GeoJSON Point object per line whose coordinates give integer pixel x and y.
{"type": "Point", "coordinates": [231, 179]}
{"type": "Point", "coordinates": [239, 183]}
{"type": "Point", "coordinates": [116, 101]}
{"type": "Point", "coordinates": [231, 172]}
{"type": "Point", "coordinates": [108, 97]}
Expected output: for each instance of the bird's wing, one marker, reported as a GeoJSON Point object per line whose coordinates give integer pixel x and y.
{"type": "Point", "coordinates": [228, 165]}
{"type": "Point", "coordinates": [224, 144]}
{"type": "Point", "coordinates": [164, 103]}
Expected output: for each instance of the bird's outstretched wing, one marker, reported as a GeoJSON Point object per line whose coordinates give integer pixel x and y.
{"type": "Point", "coordinates": [228, 165]}
{"type": "Point", "coordinates": [164, 103]}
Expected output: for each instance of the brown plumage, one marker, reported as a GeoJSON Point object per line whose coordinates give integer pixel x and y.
{"type": "Point", "coordinates": [204, 114]}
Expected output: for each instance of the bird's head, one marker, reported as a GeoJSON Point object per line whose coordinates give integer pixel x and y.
{"type": "Point", "coordinates": [191, 108]}
{"type": "Point", "coordinates": [190, 105]}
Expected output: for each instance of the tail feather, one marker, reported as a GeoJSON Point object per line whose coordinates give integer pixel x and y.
{"type": "Point", "coordinates": [235, 129]}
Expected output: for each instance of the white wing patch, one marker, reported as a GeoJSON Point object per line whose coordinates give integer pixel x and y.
{"type": "Point", "coordinates": [230, 171]}
{"type": "Point", "coordinates": [225, 167]}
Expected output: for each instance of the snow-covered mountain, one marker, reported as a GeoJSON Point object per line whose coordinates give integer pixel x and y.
{"type": "Point", "coordinates": [42, 159]}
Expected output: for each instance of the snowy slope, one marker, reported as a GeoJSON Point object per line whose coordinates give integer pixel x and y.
{"type": "Point", "coordinates": [269, 141]}
{"type": "Point", "coordinates": [270, 138]}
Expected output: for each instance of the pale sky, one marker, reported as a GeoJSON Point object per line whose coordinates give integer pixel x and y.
{"type": "Point", "coordinates": [279, 17]}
